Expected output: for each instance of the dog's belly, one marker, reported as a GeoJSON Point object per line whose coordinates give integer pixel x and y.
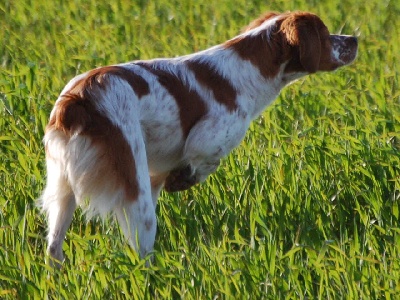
{"type": "Point", "coordinates": [160, 162]}
{"type": "Point", "coordinates": [164, 148]}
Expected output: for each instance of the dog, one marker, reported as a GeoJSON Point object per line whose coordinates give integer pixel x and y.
{"type": "Point", "coordinates": [119, 134]}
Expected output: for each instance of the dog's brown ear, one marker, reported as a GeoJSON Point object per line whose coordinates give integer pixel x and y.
{"type": "Point", "coordinates": [300, 30]}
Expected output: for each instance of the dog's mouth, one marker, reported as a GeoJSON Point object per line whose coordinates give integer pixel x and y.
{"type": "Point", "coordinates": [348, 57]}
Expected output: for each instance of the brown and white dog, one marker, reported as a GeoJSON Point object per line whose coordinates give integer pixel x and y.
{"type": "Point", "coordinates": [118, 134]}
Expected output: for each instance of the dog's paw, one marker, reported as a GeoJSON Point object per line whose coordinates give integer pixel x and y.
{"type": "Point", "coordinates": [180, 180]}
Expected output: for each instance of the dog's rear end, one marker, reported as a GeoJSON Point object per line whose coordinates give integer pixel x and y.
{"type": "Point", "coordinates": [90, 159]}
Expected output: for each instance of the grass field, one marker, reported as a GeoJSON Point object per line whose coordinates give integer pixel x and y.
{"type": "Point", "coordinates": [306, 208]}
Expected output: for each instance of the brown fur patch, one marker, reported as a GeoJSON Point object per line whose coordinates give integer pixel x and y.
{"type": "Point", "coordinates": [223, 90]}
{"type": "Point", "coordinates": [266, 55]}
{"type": "Point", "coordinates": [266, 51]}
{"type": "Point", "coordinates": [75, 113]}
{"type": "Point", "coordinates": [137, 83]}
{"type": "Point", "coordinates": [191, 106]}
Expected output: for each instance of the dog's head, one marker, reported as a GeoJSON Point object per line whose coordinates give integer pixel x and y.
{"type": "Point", "coordinates": [313, 47]}
{"type": "Point", "coordinates": [300, 40]}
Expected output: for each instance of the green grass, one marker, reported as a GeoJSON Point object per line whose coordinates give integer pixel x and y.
{"type": "Point", "coordinates": [306, 208]}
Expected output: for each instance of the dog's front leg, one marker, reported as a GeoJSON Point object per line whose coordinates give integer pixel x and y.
{"type": "Point", "coordinates": [185, 177]}
{"type": "Point", "coordinates": [208, 141]}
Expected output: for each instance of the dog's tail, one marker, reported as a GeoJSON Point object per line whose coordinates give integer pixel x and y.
{"type": "Point", "coordinates": [87, 154]}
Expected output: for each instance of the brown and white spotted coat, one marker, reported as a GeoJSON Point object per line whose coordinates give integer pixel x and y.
{"type": "Point", "coordinates": [118, 134]}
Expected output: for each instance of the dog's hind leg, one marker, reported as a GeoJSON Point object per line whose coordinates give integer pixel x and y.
{"type": "Point", "coordinates": [138, 223]}
{"type": "Point", "coordinates": [58, 201]}
{"type": "Point", "coordinates": [60, 213]}
{"type": "Point", "coordinates": [137, 217]}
